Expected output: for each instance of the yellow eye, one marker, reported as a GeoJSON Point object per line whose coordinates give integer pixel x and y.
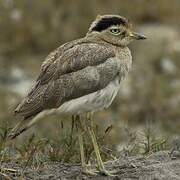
{"type": "Point", "coordinates": [115, 31]}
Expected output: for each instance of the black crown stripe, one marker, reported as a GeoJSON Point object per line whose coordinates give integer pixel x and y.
{"type": "Point", "coordinates": [108, 22]}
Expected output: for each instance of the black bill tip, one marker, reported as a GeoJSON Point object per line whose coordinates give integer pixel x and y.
{"type": "Point", "coordinates": [138, 36]}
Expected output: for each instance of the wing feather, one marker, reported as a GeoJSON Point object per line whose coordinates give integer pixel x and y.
{"type": "Point", "coordinates": [68, 74]}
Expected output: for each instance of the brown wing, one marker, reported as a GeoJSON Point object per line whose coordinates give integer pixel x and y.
{"type": "Point", "coordinates": [48, 67]}
{"type": "Point", "coordinates": [67, 76]}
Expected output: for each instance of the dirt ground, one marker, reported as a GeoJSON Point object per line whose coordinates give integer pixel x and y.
{"type": "Point", "coordinates": [162, 165]}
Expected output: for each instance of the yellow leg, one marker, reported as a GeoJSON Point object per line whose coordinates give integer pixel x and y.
{"type": "Point", "coordinates": [81, 146]}
{"type": "Point", "coordinates": [95, 145]}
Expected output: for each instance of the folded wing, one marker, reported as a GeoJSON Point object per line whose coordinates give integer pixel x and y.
{"type": "Point", "coordinates": [78, 71]}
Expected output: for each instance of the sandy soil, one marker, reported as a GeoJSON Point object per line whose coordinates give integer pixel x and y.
{"type": "Point", "coordinates": [158, 166]}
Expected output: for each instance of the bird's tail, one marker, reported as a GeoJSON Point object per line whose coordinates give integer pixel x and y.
{"type": "Point", "coordinates": [22, 126]}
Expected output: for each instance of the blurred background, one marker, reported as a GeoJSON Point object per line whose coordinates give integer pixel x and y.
{"type": "Point", "coordinates": [144, 117]}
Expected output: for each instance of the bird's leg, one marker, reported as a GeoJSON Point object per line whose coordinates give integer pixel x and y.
{"type": "Point", "coordinates": [101, 167]}
{"type": "Point", "coordinates": [81, 146]}
{"type": "Point", "coordinates": [80, 139]}
{"type": "Point", "coordinates": [95, 145]}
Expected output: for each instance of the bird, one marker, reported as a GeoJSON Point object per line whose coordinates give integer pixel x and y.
{"type": "Point", "coordinates": [81, 77]}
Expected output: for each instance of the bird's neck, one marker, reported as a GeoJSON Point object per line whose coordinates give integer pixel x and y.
{"type": "Point", "coordinates": [95, 38]}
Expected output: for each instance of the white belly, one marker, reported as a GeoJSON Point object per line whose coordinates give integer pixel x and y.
{"type": "Point", "coordinates": [92, 102]}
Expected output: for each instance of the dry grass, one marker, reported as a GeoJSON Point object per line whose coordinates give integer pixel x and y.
{"type": "Point", "coordinates": [34, 151]}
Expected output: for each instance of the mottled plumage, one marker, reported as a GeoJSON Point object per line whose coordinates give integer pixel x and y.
{"type": "Point", "coordinates": [81, 70]}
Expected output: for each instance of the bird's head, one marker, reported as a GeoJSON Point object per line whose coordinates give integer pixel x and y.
{"type": "Point", "coordinates": [114, 29]}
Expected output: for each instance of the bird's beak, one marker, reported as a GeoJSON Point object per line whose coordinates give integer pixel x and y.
{"type": "Point", "coordinates": [137, 36]}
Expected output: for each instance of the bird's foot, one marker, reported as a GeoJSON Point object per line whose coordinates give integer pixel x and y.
{"type": "Point", "coordinates": [101, 171]}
